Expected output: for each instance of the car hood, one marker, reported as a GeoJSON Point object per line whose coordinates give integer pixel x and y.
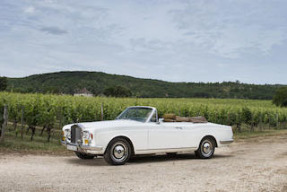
{"type": "Point", "coordinates": [108, 124]}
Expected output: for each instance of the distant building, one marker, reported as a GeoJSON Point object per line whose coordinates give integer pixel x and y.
{"type": "Point", "coordinates": [84, 93]}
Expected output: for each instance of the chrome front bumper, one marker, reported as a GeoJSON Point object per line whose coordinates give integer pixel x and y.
{"type": "Point", "coordinates": [98, 150]}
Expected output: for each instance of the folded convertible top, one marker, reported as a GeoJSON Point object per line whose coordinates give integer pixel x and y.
{"type": "Point", "coordinates": [174, 118]}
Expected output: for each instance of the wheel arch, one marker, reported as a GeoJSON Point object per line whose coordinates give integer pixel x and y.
{"type": "Point", "coordinates": [122, 137]}
{"type": "Point", "coordinates": [210, 136]}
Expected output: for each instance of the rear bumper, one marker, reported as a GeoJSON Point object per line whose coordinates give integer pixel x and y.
{"type": "Point", "coordinates": [97, 150]}
{"type": "Point", "coordinates": [226, 142]}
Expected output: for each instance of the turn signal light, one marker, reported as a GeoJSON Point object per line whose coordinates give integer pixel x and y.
{"type": "Point", "coordinates": [63, 136]}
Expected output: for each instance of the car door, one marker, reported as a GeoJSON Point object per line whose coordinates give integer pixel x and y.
{"type": "Point", "coordinates": [165, 136]}
{"type": "Point", "coordinates": [191, 135]}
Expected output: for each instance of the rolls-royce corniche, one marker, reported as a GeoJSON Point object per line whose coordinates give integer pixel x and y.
{"type": "Point", "coordinates": [138, 130]}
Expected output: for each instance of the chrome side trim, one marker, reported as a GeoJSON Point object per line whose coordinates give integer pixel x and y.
{"type": "Point", "coordinates": [167, 150]}
{"type": "Point", "coordinates": [226, 141]}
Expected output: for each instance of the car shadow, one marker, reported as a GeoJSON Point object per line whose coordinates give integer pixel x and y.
{"type": "Point", "coordinates": [160, 158]}
{"type": "Point", "coordinates": [165, 158]}
{"type": "Point", "coordinates": [99, 161]}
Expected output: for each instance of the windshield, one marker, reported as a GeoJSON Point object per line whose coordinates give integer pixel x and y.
{"type": "Point", "coordinates": [137, 114]}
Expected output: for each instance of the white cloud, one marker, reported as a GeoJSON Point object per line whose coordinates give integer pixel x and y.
{"type": "Point", "coordinates": [226, 29]}
{"type": "Point", "coordinates": [54, 30]}
{"type": "Point", "coordinates": [167, 40]}
{"type": "Point", "coordinates": [29, 9]}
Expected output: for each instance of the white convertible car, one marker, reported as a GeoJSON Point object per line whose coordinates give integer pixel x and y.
{"type": "Point", "coordinates": [137, 130]}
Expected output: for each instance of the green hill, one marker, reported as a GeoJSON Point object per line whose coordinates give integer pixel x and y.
{"type": "Point", "coordinates": [98, 82]}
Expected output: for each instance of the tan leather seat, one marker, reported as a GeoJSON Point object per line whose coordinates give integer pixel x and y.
{"type": "Point", "coordinates": [170, 117]}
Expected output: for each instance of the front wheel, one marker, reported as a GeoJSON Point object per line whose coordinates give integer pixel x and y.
{"type": "Point", "coordinates": [84, 156]}
{"type": "Point", "coordinates": [206, 148]}
{"type": "Point", "coordinates": [118, 152]}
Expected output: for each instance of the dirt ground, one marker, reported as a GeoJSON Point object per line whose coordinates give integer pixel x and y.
{"type": "Point", "coordinates": [247, 165]}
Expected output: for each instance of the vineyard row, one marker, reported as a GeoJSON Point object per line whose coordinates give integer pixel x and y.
{"type": "Point", "coordinates": [52, 111]}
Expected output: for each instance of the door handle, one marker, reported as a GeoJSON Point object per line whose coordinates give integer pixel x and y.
{"type": "Point", "coordinates": [178, 127]}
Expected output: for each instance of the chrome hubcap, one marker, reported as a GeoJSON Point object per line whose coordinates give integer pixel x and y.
{"type": "Point", "coordinates": [207, 148]}
{"type": "Point", "coordinates": [119, 151]}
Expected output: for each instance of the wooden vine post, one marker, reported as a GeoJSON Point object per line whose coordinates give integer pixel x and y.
{"type": "Point", "coordinates": [277, 121]}
{"type": "Point", "coordinates": [22, 122]}
{"type": "Point", "coordinates": [102, 112]}
{"type": "Point", "coordinates": [4, 125]}
{"type": "Point", "coordinates": [260, 122]}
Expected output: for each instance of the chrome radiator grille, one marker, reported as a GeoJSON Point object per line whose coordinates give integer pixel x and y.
{"type": "Point", "coordinates": [75, 134]}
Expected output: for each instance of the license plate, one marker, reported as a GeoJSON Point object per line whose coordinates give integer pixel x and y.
{"type": "Point", "coordinates": [72, 147]}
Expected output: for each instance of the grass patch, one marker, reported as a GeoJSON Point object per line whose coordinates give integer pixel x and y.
{"type": "Point", "coordinates": [264, 133]}
{"type": "Point", "coordinates": [38, 145]}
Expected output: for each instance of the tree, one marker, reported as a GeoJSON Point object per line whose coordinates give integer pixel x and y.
{"type": "Point", "coordinates": [118, 91]}
{"type": "Point", "coordinates": [280, 97]}
{"type": "Point", "coordinates": [3, 83]}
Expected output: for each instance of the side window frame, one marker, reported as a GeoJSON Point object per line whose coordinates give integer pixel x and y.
{"type": "Point", "coordinates": [154, 117]}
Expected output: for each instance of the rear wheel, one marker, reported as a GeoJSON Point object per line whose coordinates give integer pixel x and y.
{"type": "Point", "coordinates": [206, 148]}
{"type": "Point", "coordinates": [84, 156]}
{"type": "Point", "coordinates": [118, 152]}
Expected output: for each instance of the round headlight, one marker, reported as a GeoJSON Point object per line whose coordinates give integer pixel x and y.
{"type": "Point", "coordinates": [86, 134]}
{"type": "Point", "coordinates": [68, 133]}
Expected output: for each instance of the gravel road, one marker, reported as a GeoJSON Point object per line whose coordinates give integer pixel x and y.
{"type": "Point", "coordinates": [247, 165]}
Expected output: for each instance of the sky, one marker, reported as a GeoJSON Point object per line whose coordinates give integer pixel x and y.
{"type": "Point", "coordinates": [171, 40]}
